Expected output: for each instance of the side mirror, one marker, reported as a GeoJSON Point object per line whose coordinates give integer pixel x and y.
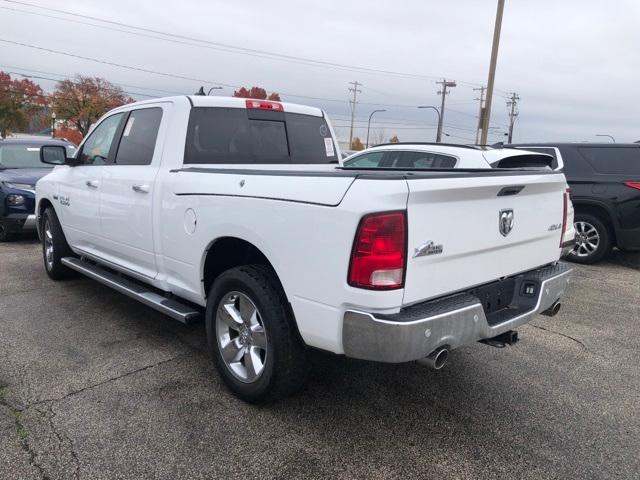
{"type": "Point", "coordinates": [53, 154]}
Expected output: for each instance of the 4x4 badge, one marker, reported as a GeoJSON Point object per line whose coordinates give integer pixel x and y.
{"type": "Point", "coordinates": [505, 224]}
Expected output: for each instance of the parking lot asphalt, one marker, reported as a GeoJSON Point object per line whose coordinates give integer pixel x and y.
{"type": "Point", "coordinates": [95, 385]}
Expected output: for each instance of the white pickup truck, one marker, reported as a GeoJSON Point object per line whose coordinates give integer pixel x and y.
{"type": "Point", "coordinates": [240, 211]}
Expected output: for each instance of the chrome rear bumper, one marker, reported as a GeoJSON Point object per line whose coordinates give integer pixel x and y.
{"type": "Point", "coordinates": [452, 321]}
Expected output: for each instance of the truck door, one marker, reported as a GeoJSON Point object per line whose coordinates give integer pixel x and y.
{"type": "Point", "coordinates": [79, 191]}
{"type": "Point", "coordinates": [127, 192]}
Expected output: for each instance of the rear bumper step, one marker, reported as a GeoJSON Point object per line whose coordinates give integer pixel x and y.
{"type": "Point", "coordinates": [451, 322]}
{"type": "Point", "coordinates": [178, 311]}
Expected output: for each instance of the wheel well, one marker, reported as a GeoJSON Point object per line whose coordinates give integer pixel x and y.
{"type": "Point", "coordinates": [44, 204]}
{"type": "Point", "coordinates": [601, 213]}
{"type": "Point", "coordinates": [229, 252]}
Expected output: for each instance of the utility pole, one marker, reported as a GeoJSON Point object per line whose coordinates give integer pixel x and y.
{"type": "Point", "coordinates": [480, 113]}
{"type": "Point", "coordinates": [445, 84]}
{"type": "Point", "coordinates": [353, 102]}
{"type": "Point", "coordinates": [513, 113]}
{"type": "Point", "coordinates": [492, 73]}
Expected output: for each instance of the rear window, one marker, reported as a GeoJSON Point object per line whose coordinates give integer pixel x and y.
{"type": "Point", "coordinates": [616, 160]}
{"type": "Point", "coordinates": [545, 150]}
{"type": "Point", "coordinates": [405, 160]}
{"type": "Point", "coordinates": [238, 135]}
{"type": "Point", "coordinates": [525, 161]}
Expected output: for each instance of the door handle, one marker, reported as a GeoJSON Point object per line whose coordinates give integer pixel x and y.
{"type": "Point", "coordinates": [140, 188]}
{"type": "Point", "coordinates": [92, 183]}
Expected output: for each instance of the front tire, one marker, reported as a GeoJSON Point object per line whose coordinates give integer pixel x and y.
{"type": "Point", "coordinates": [593, 239]}
{"type": "Point", "coordinates": [252, 335]}
{"type": "Point", "coordinates": [5, 234]}
{"type": "Point", "coordinates": [54, 246]}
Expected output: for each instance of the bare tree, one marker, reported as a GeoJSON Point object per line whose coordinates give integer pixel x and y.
{"type": "Point", "coordinates": [379, 136]}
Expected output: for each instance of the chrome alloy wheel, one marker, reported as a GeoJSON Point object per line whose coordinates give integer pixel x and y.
{"type": "Point", "coordinates": [242, 339]}
{"type": "Point", "coordinates": [587, 239]}
{"type": "Point", "coordinates": [48, 245]}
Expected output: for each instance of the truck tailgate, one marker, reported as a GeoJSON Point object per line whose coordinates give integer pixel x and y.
{"type": "Point", "coordinates": [461, 216]}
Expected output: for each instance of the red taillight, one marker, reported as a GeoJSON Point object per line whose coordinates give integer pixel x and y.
{"type": "Point", "coordinates": [565, 209]}
{"type": "Point", "coordinates": [379, 250]}
{"type": "Point", "coordinates": [265, 105]}
{"type": "Point", "coordinates": [633, 185]}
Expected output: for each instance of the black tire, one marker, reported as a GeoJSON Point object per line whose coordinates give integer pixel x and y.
{"type": "Point", "coordinates": [604, 245]}
{"type": "Point", "coordinates": [54, 267]}
{"type": "Point", "coordinates": [5, 234]}
{"type": "Point", "coordinates": [285, 364]}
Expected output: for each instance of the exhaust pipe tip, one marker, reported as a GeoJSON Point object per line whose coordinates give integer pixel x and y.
{"type": "Point", "coordinates": [553, 310]}
{"type": "Point", "coordinates": [436, 359]}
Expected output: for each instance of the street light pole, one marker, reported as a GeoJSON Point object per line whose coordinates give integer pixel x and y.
{"type": "Point", "coordinates": [439, 118]}
{"type": "Point", "coordinates": [369, 126]}
{"type": "Point", "coordinates": [53, 124]}
{"type": "Point", "coordinates": [605, 135]}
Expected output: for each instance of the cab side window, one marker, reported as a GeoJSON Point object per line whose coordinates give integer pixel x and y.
{"type": "Point", "coordinates": [367, 160]}
{"type": "Point", "coordinates": [424, 160]}
{"type": "Point", "coordinates": [139, 137]}
{"type": "Point", "coordinates": [97, 148]}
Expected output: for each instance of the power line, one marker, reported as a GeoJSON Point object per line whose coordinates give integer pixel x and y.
{"type": "Point", "coordinates": [184, 77]}
{"type": "Point", "coordinates": [383, 122]}
{"type": "Point", "coordinates": [76, 83]}
{"type": "Point", "coordinates": [193, 79]}
{"type": "Point", "coordinates": [418, 125]}
{"type": "Point", "coordinates": [113, 64]}
{"type": "Point", "coordinates": [364, 127]}
{"type": "Point", "coordinates": [187, 40]}
{"type": "Point", "coordinates": [47, 96]}
{"type": "Point", "coordinates": [148, 89]}
{"type": "Point", "coordinates": [155, 72]}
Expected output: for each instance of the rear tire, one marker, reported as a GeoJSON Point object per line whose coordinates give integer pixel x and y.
{"type": "Point", "coordinates": [252, 335]}
{"type": "Point", "coordinates": [593, 239]}
{"type": "Point", "coordinates": [54, 246]}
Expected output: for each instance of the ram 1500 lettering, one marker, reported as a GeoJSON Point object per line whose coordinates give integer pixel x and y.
{"type": "Point", "coordinates": [239, 210]}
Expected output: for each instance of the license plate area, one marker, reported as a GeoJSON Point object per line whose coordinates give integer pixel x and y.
{"type": "Point", "coordinates": [496, 296]}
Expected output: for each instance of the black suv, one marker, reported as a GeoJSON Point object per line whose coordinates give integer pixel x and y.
{"type": "Point", "coordinates": [605, 191]}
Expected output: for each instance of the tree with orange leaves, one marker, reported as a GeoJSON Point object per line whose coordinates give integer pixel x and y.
{"type": "Point", "coordinates": [257, 93]}
{"type": "Point", "coordinates": [20, 100]}
{"type": "Point", "coordinates": [70, 134]}
{"type": "Point", "coordinates": [356, 144]}
{"type": "Point", "coordinates": [85, 99]}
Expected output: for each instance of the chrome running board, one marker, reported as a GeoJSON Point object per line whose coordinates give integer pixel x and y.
{"type": "Point", "coordinates": [135, 290]}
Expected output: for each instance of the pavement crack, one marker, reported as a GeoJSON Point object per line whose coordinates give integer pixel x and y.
{"type": "Point", "coordinates": [23, 434]}
{"type": "Point", "coordinates": [109, 380]}
{"type": "Point", "coordinates": [579, 342]}
{"type": "Point", "coordinates": [63, 439]}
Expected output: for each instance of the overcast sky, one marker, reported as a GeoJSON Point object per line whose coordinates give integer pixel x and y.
{"type": "Point", "coordinates": [574, 63]}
